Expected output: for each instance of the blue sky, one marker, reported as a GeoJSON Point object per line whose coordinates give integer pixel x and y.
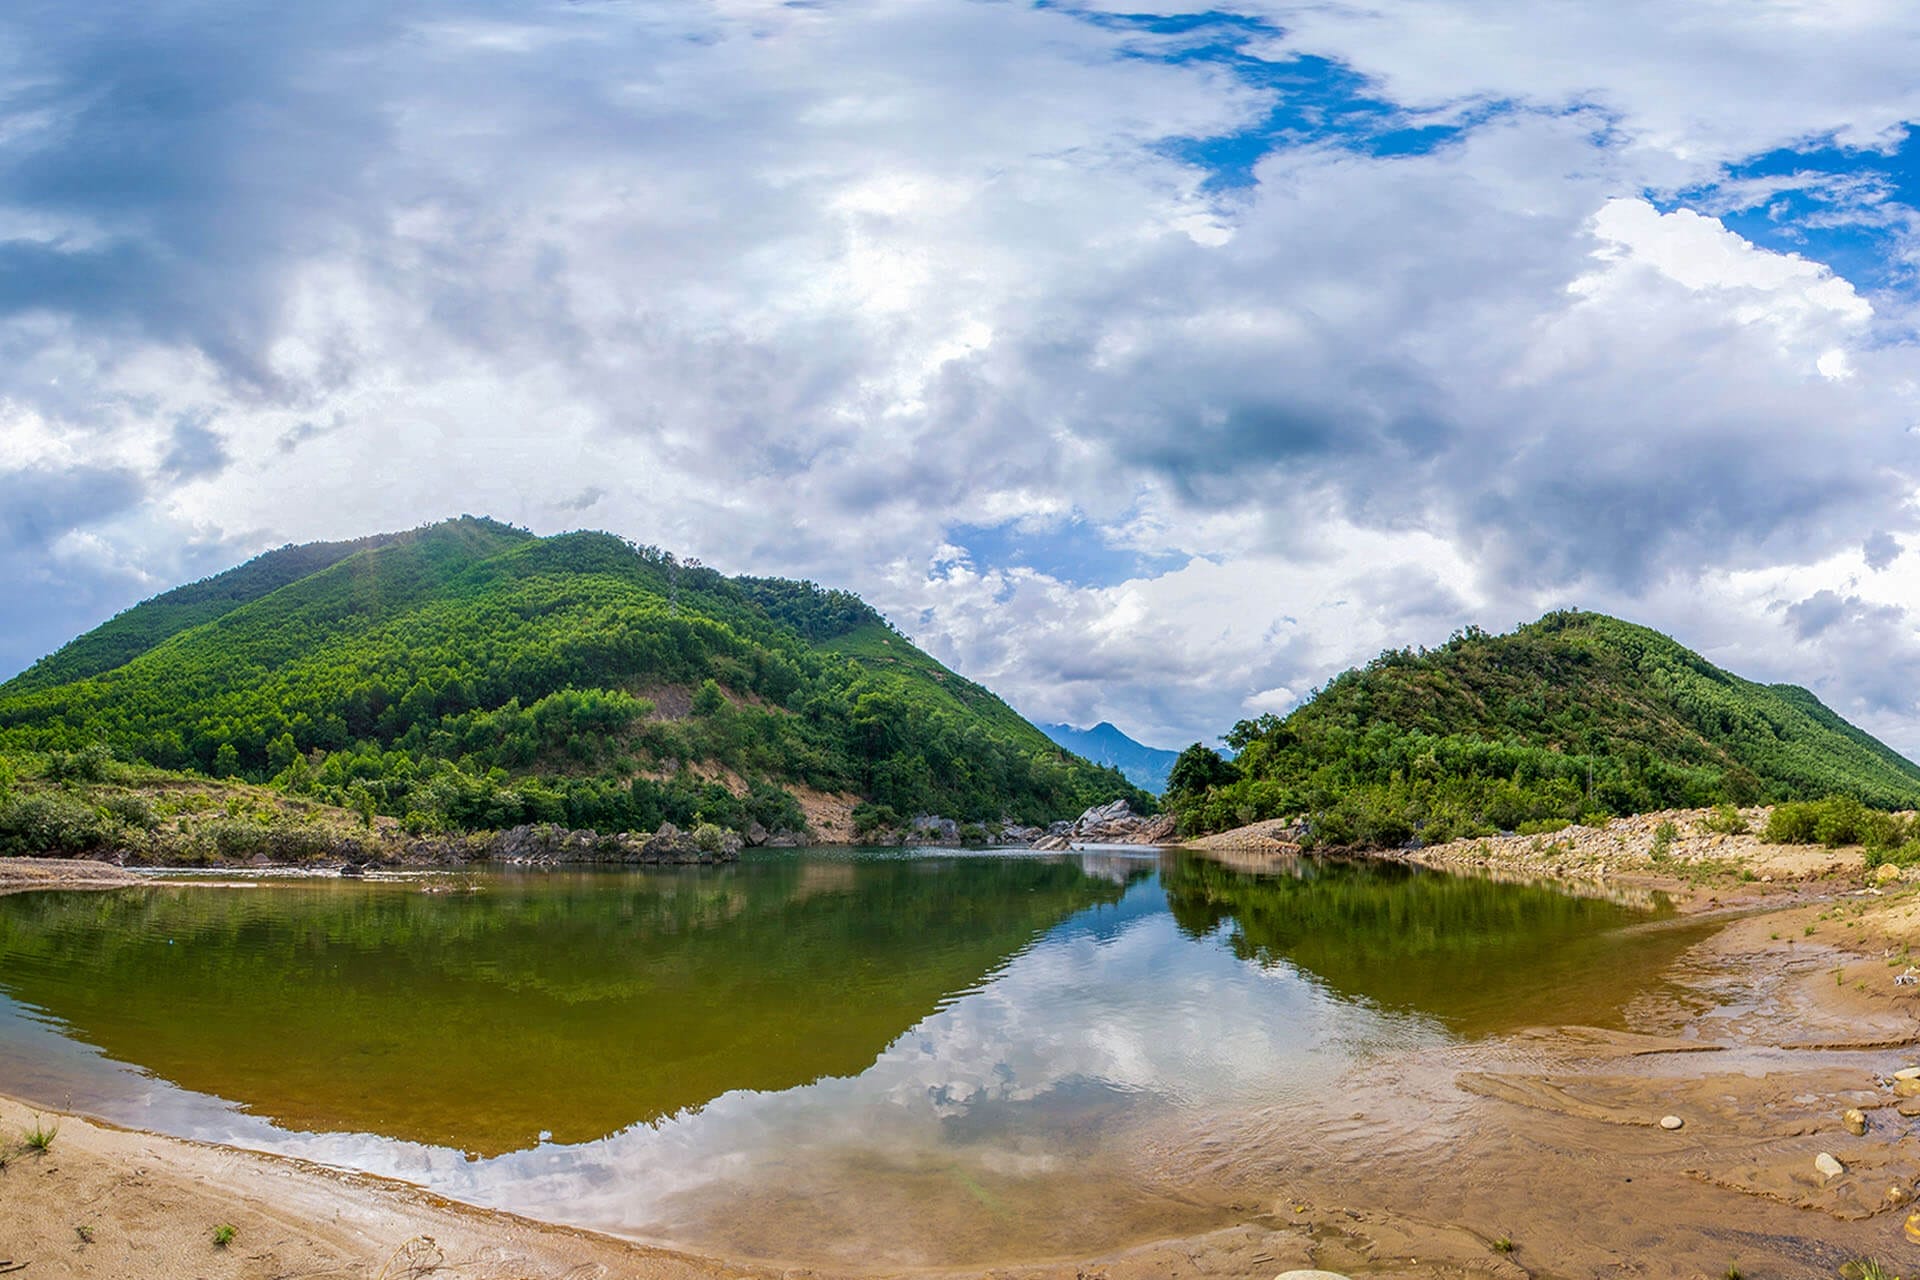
{"type": "Point", "coordinates": [1149, 365]}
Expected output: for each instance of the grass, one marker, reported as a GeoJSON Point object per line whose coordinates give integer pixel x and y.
{"type": "Point", "coordinates": [40, 1137]}
{"type": "Point", "coordinates": [1733, 1272]}
{"type": "Point", "coordinates": [1503, 1244]}
{"type": "Point", "coordinates": [85, 1233]}
{"type": "Point", "coordinates": [1867, 1269]}
{"type": "Point", "coordinates": [224, 1234]}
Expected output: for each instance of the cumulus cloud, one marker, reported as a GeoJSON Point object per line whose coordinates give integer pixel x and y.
{"type": "Point", "coordinates": [1123, 362]}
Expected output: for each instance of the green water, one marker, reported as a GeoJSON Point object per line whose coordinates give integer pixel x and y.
{"type": "Point", "coordinates": [730, 1056]}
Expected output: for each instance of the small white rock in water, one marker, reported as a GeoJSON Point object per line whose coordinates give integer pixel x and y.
{"type": "Point", "coordinates": [1309, 1275]}
{"type": "Point", "coordinates": [1672, 1122]}
{"type": "Point", "coordinates": [1827, 1166]}
{"type": "Point", "coordinates": [1855, 1120]}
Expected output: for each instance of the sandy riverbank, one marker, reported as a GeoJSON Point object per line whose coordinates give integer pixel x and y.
{"type": "Point", "coordinates": [19, 875]}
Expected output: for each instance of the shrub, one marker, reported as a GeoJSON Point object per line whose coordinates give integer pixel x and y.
{"type": "Point", "coordinates": [1663, 837]}
{"type": "Point", "coordinates": [868, 818]}
{"type": "Point", "coordinates": [1792, 823]}
{"type": "Point", "coordinates": [1905, 855]}
{"type": "Point", "coordinates": [89, 764]}
{"type": "Point", "coordinates": [131, 809]}
{"type": "Point", "coordinates": [1835, 821]}
{"type": "Point", "coordinates": [710, 838]}
{"type": "Point", "coordinates": [52, 824]}
{"type": "Point", "coordinates": [1725, 820]}
{"type": "Point", "coordinates": [1542, 827]}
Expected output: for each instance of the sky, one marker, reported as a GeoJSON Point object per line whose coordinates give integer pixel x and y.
{"type": "Point", "coordinates": [1148, 363]}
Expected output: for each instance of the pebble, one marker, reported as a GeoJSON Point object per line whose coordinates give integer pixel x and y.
{"type": "Point", "coordinates": [1913, 1227]}
{"type": "Point", "coordinates": [1827, 1166]}
{"type": "Point", "coordinates": [1855, 1120]}
{"type": "Point", "coordinates": [1309, 1275]}
{"type": "Point", "coordinates": [1671, 1122]}
{"type": "Point", "coordinates": [1897, 1194]}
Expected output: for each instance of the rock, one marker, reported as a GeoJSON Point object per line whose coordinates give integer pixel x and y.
{"type": "Point", "coordinates": [1855, 1120]}
{"type": "Point", "coordinates": [1885, 873]}
{"type": "Point", "coordinates": [756, 835]}
{"type": "Point", "coordinates": [670, 844]}
{"type": "Point", "coordinates": [1102, 814]}
{"type": "Point", "coordinates": [1310, 1275]}
{"type": "Point", "coordinates": [1913, 1227]}
{"type": "Point", "coordinates": [1906, 1082]}
{"type": "Point", "coordinates": [1672, 1122]}
{"type": "Point", "coordinates": [1827, 1167]}
{"type": "Point", "coordinates": [931, 826]}
{"type": "Point", "coordinates": [1052, 844]}
{"type": "Point", "coordinates": [1897, 1194]}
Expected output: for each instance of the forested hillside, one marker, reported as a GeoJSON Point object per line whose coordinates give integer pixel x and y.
{"type": "Point", "coordinates": [470, 676]}
{"type": "Point", "coordinates": [1574, 715]}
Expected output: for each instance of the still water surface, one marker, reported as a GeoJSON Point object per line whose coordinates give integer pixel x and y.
{"type": "Point", "coordinates": [868, 1055]}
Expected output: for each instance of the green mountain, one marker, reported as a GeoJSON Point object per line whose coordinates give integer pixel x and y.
{"type": "Point", "coordinates": [1575, 714]}
{"type": "Point", "coordinates": [469, 675]}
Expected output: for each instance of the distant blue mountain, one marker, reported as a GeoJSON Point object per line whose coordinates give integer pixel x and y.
{"type": "Point", "coordinates": [1144, 766]}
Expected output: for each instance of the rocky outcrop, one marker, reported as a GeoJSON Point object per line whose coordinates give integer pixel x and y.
{"type": "Point", "coordinates": [1114, 823]}
{"type": "Point", "coordinates": [1117, 823]}
{"type": "Point", "coordinates": [549, 845]}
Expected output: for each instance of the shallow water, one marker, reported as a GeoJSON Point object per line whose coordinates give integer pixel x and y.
{"type": "Point", "coordinates": [861, 1055]}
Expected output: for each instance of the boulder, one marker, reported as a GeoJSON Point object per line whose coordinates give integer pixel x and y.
{"type": "Point", "coordinates": [1855, 1120]}
{"type": "Point", "coordinates": [931, 826]}
{"type": "Point", "coordinates": [1885, 873]}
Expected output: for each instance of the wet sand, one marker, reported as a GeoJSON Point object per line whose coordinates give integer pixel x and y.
{"type": "Point", "coordinates": [1768, 1031]}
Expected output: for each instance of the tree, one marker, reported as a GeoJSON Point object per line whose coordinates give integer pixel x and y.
{"type": "Point", "coordinates": [226, 761]}
{"type": "Point", "coordinates": [1199, 769]}
{"type": "Point", "coordinates": [707, 699]}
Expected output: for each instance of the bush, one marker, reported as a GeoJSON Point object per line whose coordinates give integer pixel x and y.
{"type": "Point", "coordinates": [1542, 827]}
{"type": "Point", "coordinates": [132, 809]}
{"type": "Point", "coordinates": [90, 764]}
{"type": "Point", "coordinates": [52, 825]}
{"type": "Point", "coordinates": [1725, 820]}
{"type": "Point", "coordinates": [1835, 821]}
{"type": "Point", "coordinates": [710, 838]}
{"type": "Point", "coordinates": [1905, 855]}
{"type": "Point", "coordinates": [1663, 837]}
{"type": "Point", "coordinates": [1792, 823]}
{"type": "Point", "coordinates": [868, 818]}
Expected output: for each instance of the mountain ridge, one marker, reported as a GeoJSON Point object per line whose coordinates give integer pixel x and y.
{"type": "Point", "coordinates": [1105, 743]}
{"type": "Point", "coordinates": [1571, 715]}
{"type": "Point", "coordinates": [468, 675]}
